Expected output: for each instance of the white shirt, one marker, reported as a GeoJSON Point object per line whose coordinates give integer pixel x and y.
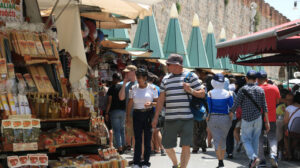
{"type": "Point", "coordinates": [142, 96]}
{"type": "Point", "coordinates": [291, 109]}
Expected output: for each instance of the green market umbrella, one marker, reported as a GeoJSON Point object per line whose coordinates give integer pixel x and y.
{"type": "Point", "coordinates": [225, 61]}
{"type": "Point", "coordinates": [174, 41]}
{"type": "Point", "coordinates": [196, 49]}
{"type": "Point", "coordinates": [116, 34]}
{"type": "Point", "coordinates": [147, 33]}
{"type": "Point", "coordinates": [211, 50]}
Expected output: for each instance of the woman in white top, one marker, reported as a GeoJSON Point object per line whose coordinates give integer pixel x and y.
{"type": "Point", "coordinates": [292, 112]}
{"type": "Point", "coordinates": [142, 97]}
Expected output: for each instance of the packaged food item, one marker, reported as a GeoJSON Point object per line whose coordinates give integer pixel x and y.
{"type": "Point", "coordinates": [43, 159]}
{"type": "Point", "coordinates": [5, 105]}
{"type": "Point", "coordinates": [21, 80]}
{"type": "Point", "coordinates": [13, 161]}
{"type": "Point", "coordinates": [30, 82]}
{"type": "Point", "coordinates": [27, 131]}
{"type": "Point", "coordinates": [114, 163]}
{"type": "Point", "coordinates": [106, 154]}
{"type": "Point", "coordinates": [47, 141]}
{"type": "Point", "coordinates": [8, 132]}
{"type": "Point", "coordinates": [22, 108]}
{"type": "Point", "coordinates": [3, 69]}
{"type": "Point", "coordinates": [47, 45]}
{"type": "Point", "coordinates": [11, 70]}
{"type": "Point", "coordinates": [17, 105]}
{"type": "Point", "coordinates": [26, 104]}
{"type": "Point", "coordinates": [24, 161]}
{"type": "Point", "coordinates": [11, 101]}
{"type": "Point", "coordinates": [18, 131]}
{"type": "Point", "coordinates": [31, 44]}
{"type": "Point", "coordinates": [33, 159]}
{"type": "Point", "coordinates": [36, 126]}
{"type": "Point", "coordinates": [78, 133]}
{"type": "Point", "coordinates": [39, 45]}
{"type": "Point", "coordinates": [123, 163]}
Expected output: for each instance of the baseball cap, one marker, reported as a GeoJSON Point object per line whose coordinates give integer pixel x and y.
{"type": "Point", "coordinates": [252, 74]}
{"type": "Point", "coordinates": [130, 68]}
{"type": "Point", "coordinates": [219, 77]}
{"type": "Point", "coordinates": [175, 59]}
{"type": "Point", "coordinates": [262, 74]}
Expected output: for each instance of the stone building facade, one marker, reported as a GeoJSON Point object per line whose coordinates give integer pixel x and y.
{"type": "Point", "coordinates": [232, 15]}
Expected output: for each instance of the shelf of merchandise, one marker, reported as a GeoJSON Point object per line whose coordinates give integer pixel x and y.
{"type": "Point", "coordinates": [65, 119]}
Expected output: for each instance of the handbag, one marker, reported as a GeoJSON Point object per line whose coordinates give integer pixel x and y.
{"type": "Point", "coordinates": [256, 105]}
{"type": "Point", "coordinates": [197, 105]}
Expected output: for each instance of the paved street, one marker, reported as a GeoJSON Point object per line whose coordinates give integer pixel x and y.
{"type": "Point", "coordinates": [208, 160]}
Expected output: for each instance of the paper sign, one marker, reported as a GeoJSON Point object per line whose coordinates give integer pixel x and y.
{"type": "Point", "coordinates": [11, 10]}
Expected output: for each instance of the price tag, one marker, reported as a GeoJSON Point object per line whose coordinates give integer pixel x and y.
{"type": "Point", "coordinates": [103, 141]}
{"type": "Point", "coordinates": [3, 76]}
{"type": "Point", "coordinates": [25, 146]}
{"type": "Point", "coordinates": [27, 58]}
{"type": "Point", "coordinates": [52, 149]}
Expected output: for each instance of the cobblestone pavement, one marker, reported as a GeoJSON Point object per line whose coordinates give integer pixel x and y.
{"type": "Point", "coordinates": [208, 160]}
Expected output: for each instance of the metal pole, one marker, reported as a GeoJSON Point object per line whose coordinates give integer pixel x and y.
{"type": "Point", "coordinates": [50, 16]}
{"type": "Point", "coordinates": [62, 11]}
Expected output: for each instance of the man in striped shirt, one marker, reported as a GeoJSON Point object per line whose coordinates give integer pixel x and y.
{"type": "Point", "coordinates": [179, 118]}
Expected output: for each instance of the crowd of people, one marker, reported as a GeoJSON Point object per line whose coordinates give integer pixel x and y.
{"type": "Point", "coordinates": [149, 114]}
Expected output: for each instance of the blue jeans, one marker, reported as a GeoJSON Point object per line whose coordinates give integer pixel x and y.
{"type": "Point", "coordinates": [117, 118]}
{"type": "Point", "coordinates": [250, 136]}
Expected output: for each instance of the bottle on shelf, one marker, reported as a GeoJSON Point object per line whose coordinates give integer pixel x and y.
{"type": "Point", "coordinates": [73, 104]}
{"type": "Point", "coordinates": [81, 109]}
{"type": "Point", "coordinates": [65, 110]}
{"type": "Point", "coordinates": [44, 106]}
{"type": "Point", "coordinates": [37, 103]}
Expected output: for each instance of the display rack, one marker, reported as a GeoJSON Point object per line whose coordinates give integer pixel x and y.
{"type": "Point", "coordinates": [54, 151]}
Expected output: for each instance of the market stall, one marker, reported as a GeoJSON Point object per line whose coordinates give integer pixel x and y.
{"type": "Point", "coordinates": [279, 42]}
{"type": "Point", "coordinates": [49, 111]}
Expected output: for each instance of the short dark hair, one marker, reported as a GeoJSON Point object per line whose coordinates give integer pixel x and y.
{"type": "Point", "coordinates": [117, 76]}
{"type": "Point", "coordinates": [251, 77]}
{"type": "Point", "coordinates": [297, 97]}
{"type": "Point", "coordinates": [142, 72]}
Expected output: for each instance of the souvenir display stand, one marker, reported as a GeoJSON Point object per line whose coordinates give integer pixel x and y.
{"type": "Point", "coordinates": [43, 121]}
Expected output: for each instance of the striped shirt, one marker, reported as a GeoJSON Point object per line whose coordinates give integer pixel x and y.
{"type": "Point", "coordinates": [177, 103]}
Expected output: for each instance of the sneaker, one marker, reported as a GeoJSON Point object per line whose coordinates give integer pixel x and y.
{"type": "Point", "coordinates": [262, 163]}
{"type": "Point", "coordinates": [230, 156]}
{"type": "Point", "coordinates": [178, 166]}
{"type": "Point", "coordinates": [239, 147]}
{"type": "Point", "coordinates": [195, 151]}
{"type": "Point", "coordinates": [153, 153]}
{"type": "Point", "coordinates": [162, 152]}
{"type": "Point", "coordinates": [136, 166]}
{"type": "Point", "coordinates": [145, 166]}
{"type": "Point", "coordinates": [255, 163]}
{"type": "Point", "coordinates": [274, 162]}
{"type": "Point", "coordinates": [130, 163]}
{"type": "Point", "coordinates": [221, 164]}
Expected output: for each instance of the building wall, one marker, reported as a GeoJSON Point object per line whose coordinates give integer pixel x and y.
{"type": "Point", "coordinates": [234, 17]}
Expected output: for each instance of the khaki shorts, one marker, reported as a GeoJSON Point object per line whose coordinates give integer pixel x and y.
{"type": "Point", "coordinates": [129, 127]}
{"type": "Point", "coordinates": [173, 128]}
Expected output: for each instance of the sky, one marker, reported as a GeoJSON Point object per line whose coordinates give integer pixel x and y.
{"type": "Point", "coordinates": [286, 8]}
